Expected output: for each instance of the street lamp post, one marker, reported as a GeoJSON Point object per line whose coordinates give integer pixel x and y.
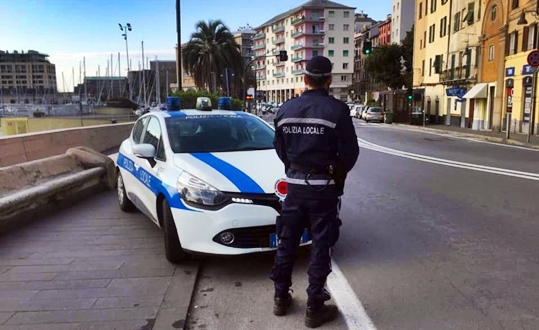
{"type": "Point", "coordinates": [125, 28]}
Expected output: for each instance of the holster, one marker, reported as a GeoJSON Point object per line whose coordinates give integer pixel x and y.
{"type": "Point", "coordinates": [339, 176]}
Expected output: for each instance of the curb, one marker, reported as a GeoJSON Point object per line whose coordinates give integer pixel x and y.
{"type": "Point", "coordinates": [469, 135]}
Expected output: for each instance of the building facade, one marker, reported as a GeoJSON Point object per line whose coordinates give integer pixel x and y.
{"type": "Point", "coordinates": [27, 73]}
{"type": "Point", "coordinates": [402, 19]}
{"type": "Point", "coordinates": [481, 80]}
{"type": "Point", "coordinates": [244, 38]}
{"type": "Point", "coordinates": [431, 46]}
{"type": "Point", "coordinates": [517, 85]}
{"type": "Point", "coordinates": [317, 27]}
{"type": "Point", "coordinates": [188, 83]}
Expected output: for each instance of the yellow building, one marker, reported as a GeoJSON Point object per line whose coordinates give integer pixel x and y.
{"type": "Point", "coordinates": [520, 40]}
{"type": "Point", "coordinates": [431, 34]}
{"type": "Point", "coordinates": [29, 72]}
{"type": "Point", "coordinates": [461, 67]}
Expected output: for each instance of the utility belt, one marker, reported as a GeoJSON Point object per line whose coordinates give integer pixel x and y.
{"type": "Point", "coordinates": [327, 170]}
{"type": "Point", "coordinates": [336, 175]}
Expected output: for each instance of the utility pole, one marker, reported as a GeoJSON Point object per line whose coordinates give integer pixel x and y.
{"type": "Point", "coordinates": [179, 52]}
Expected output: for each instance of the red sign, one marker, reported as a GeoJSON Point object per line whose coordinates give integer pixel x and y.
{"type": "Point", "coordinates": [509, 107]}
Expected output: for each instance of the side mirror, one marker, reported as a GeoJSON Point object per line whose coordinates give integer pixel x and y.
{"type": "Point", "coordinates": [144, 150]}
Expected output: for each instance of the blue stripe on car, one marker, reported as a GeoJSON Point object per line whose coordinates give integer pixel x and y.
{"type": "Point", "coordinates": [241, 180]}
{"type": "Point", "coordinates": [154, 184]}
{"type": "Point", "coordinates": [177, 113]}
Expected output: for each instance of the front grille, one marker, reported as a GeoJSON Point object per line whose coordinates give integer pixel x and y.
{"type": "Point", "coordinates": [249, 237]}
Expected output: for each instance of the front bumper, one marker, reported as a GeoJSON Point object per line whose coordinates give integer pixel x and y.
{"type": "Point", "coordinates": [250, 224]}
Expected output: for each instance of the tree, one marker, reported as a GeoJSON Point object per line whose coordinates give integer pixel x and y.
{"type": "Point", "coordinates": [384, 65]}
{"type": "Point", "coordinates": [408, 55]}
{"type": "Point", "coordinates": [210, 50]}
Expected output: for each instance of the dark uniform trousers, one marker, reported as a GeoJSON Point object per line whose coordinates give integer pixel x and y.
{"type": "Point", "coordinates": [318, 211]}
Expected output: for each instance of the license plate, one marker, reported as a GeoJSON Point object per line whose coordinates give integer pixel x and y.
{"type": "Point", "coordinates": [274, 240]}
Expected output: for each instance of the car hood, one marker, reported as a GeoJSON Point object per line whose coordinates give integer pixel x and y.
{"type": "Point", "coordinates": [249, 172]}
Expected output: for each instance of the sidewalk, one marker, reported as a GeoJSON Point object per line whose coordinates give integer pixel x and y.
{"type": "Point", "coordinates": [92, 267]}
{"type": "Point", "coordinates": [492, 136]}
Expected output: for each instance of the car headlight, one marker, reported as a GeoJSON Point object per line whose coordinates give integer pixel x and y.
{"type": "Point", "coordinates": [196, 191]}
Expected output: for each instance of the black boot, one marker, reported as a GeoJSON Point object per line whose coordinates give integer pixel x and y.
{"type": "Point", "coordinates": [281, 304]}
{"type": "Point", "coordinates": [327, 295]}
{"type": "Point", "coordinates": [315, 318]}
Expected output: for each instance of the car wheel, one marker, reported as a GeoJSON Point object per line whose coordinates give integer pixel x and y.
{"type": "Point", "coordinates": [125, 204]}
{"type": "Point", "coordinates": [173, 248]}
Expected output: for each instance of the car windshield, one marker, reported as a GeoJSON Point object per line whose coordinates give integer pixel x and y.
{"type": "Point", "coordinates": [218, 133]}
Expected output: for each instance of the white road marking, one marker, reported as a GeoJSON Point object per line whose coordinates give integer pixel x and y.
{"type": "Point", "coordinates": [349, 305]}
{"type": "Point", "coordinates": [466, 138]}
{"type": "Point", "coordinates": [446, 162]}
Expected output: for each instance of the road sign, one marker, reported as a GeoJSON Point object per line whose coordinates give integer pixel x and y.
{"type": "Point", "coordinates": [533, 58]}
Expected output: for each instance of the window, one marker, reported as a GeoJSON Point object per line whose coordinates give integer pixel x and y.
{"type": "Point", "coordinates": [218, 133]}
{"type": "Point", "coordinates": [432, 30]}
{"type": "Point", "coordinates": [331, 27]}
{"type": "Point", "coordinates": [420, 11]}
{"type": "Point", "coordinates": [528, 35]}
{"type": "Point", "coordinates": [513, 43]}
{"type": "Point", "coordinates": [423, 68]}
{"type": "Point", "coordinates": [153, 133]}
{"type": "Point", "coordinates": [331, 40]}
{"type": "Point", "coordinates": [138, 129]}
{"type": "Point", "coordinates": [443, 27]}
{"type": "Point", "coordinates": [345, 66]}
{"type": "Point", "coordinates": [493, 10]}
{"type": "Point", "coordinates": [345, 27]}
{"type": "Point", "coordinates": [345, 53]}
{"type": "Point", "coordinates": [344, 78]}
{"type": "Point", "coordinates": [456, 26]}
{"type": "Point", "coordinates": [346, 14]}
{"type": "Point", "coordinates": [331, 14]}
{"type": "Point", "coordinates": [331, 53]}
{"type": "Point", "coordinates": [315, 53]}
{"type": "Point", "coordinates": [432, 6]}
{"type": "Point", "coordinates": [345, 40]}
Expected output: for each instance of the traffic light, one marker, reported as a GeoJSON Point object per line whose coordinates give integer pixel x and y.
{"type": "Point", "coordinates": [249, 97]}
{"type": "Point", "coordinates": [283, 56]}
{"type": "Point", "coordinates": [410, 94]}
{"type": "Point", "coordinates": [367, 47]}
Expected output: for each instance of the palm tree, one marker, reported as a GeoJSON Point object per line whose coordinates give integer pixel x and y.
{"type": "Point", "coordinates": [211, 49]}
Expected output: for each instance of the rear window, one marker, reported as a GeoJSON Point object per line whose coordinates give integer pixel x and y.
{"type": "Point", "coordinates": [218, 133]}
{"type": "Point", "coordinates": [375, 110]}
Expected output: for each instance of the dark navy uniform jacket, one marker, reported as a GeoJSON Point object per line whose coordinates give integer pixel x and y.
{"type": "Point", "coordinates": [315, 130]}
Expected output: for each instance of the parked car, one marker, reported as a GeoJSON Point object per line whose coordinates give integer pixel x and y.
{"type": "Point", "coordinates": [374, 114]}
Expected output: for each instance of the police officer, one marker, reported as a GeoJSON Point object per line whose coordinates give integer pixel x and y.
{"type": "Point", "coordinates": [316, 140]}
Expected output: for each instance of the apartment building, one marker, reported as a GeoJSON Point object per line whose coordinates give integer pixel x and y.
{"type": "Point", "coordinates": [362, 23]}
{"type": "Point", "coordinates": [379, 34]}
{"type": "Point", "coordinates": [244, 38]}
{"type": "Point", "coordinates": [402, 19]}
{"type": "Point", "coordinates": [27, 73]}
{"type": "Point", "coordinates": [317, 27]}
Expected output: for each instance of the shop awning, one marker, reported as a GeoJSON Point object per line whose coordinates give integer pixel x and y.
{"type": "Point", "coordinates": [479, 91]}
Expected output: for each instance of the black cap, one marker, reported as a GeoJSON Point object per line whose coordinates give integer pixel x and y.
{"type": "Point", "coordinates": [318, 66]}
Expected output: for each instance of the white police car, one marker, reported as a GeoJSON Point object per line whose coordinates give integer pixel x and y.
{"type": "Point", "coordinates": [209, 178]}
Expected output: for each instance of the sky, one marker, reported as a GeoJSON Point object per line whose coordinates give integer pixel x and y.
{"type": "Point", "coordinates": [77, 30]}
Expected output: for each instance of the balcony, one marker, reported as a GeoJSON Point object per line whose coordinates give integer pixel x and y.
{"type": "Point", "coordinates": [297, 71]}
{"type": "Point", "coordinates": [280, 28]}
{"type": "Point", "coordinates": [304, 19]}
{"type": "Point", "coordinates": [276, 52]}
{"type": "Point", "coordinates": [315, 33]}
{"type": "Point", "coordinates": [278, 41]}
{"type": "Point", "coordinates": [298, 59]}
{"type": "Point", "coordinates": [261, 77]}
{"type": "Point", "coordinates": [280, 63]}
{"type": "Point", "coordinates": [259, 35]}
{"type": "Point", "coordinates": [297, 34]}
{"type": "Point", "coordinates": [258, 67]}
{"type": "Point", "coordinates": [258, 46]}
{"type": "Point", "coordinates": [319, 45]}
{"type": "Point", "coordinates": [278, 74]}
